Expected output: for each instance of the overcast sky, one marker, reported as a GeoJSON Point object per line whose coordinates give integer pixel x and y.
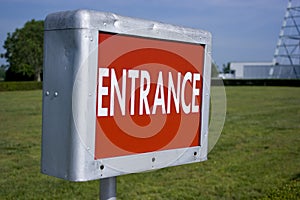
{"type": "Point", "coordinates": [242, 30]}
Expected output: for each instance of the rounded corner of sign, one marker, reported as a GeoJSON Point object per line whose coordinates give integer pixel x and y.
{"type": "Point", "coordinates": [79, 18]}
{"type": "Point", "coordinates": [81, 14]}
{"type": "Point", "coordinates": [209, 35]}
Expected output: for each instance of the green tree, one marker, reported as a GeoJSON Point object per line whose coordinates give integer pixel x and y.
{"type": "Point", "coordinates": [226, 68]}
{"type": "Point", "coordinates": [214, 70]}
{"type": "Point", "coordinates": [2, 72]}
{"type": "Point", "coordinates": [24, 50]}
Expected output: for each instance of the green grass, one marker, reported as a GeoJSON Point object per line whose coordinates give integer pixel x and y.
{"type": "Point", "coordinates": [256, 157]}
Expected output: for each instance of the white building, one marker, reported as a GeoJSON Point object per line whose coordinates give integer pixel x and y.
{"type": "Point", "coordinates": [251, 70]}
{"type": "Point", "coordinates": [261, 70]}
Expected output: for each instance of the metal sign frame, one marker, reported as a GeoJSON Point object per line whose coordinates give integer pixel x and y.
{"type": "Point", "coordinates": [70, 95]}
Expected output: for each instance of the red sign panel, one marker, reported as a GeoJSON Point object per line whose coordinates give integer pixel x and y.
{"type": "Point", "coordinates": [149, 94]}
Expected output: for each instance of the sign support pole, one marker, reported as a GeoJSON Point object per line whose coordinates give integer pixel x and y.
{"type": "Point", "coordinates": [108, 188]}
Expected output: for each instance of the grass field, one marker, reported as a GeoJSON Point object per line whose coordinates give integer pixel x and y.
{"type": "Point", "coordinates": [256, 157]}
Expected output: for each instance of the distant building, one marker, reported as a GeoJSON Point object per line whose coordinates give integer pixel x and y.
{"type": "Point", "coordinates": [250, 70]}
{"type": "Point", "coordinates": [261, 70]}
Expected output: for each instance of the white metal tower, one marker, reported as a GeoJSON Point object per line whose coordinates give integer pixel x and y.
{"type": "Point", "coordinates": [287, 51]}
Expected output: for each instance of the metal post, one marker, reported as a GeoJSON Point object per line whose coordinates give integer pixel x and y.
{"type": "Point", "coordinates": [108, 188]}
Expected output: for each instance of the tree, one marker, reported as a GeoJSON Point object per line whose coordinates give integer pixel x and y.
{"type": "Point", "coordinates": [24, 50]}
{"type": "Point", "coordinates": [214, 70]}
{"type": "Point", "coordinates": [226, 68]}
{"type": "Point", "coordinates": [3, 69]}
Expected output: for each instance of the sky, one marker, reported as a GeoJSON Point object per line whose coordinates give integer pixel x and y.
{"type": "Point", "coordinates": [242, 31]}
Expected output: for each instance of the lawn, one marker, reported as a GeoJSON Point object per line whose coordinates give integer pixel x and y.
{"type": "Point", "coordinates": [256, 157]}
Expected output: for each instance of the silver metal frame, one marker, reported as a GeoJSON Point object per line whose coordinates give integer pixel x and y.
{"type": "Point", "coordinates": [69, 90]}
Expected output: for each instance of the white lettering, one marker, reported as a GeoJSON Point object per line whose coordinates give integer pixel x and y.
{"type": "Point", "coordinates": [186, 108]}
{"type": "Point", "coordinates": [182, 95]}
{"type": "Point", "coordinates": [171, 89]}
{"type": "Point", "coordinates": [159, 92]}
{"type": "Point", "coordinates": [196, 92]}
{"type": "Point", "coordinates": [114, 86]}
{"type": "Point", "coordinates": [144, 92]}
{"type": "Point", "coordinates": [133, 74]}
{"type": "Point", "coordinates": [103, 72]}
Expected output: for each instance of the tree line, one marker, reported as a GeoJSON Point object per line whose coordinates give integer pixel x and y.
{"type": "Point", "coordinates": [24, 53]}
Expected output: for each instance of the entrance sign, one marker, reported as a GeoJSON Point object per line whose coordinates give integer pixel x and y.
{"type": "Point", "coordinates": [122, 95]}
